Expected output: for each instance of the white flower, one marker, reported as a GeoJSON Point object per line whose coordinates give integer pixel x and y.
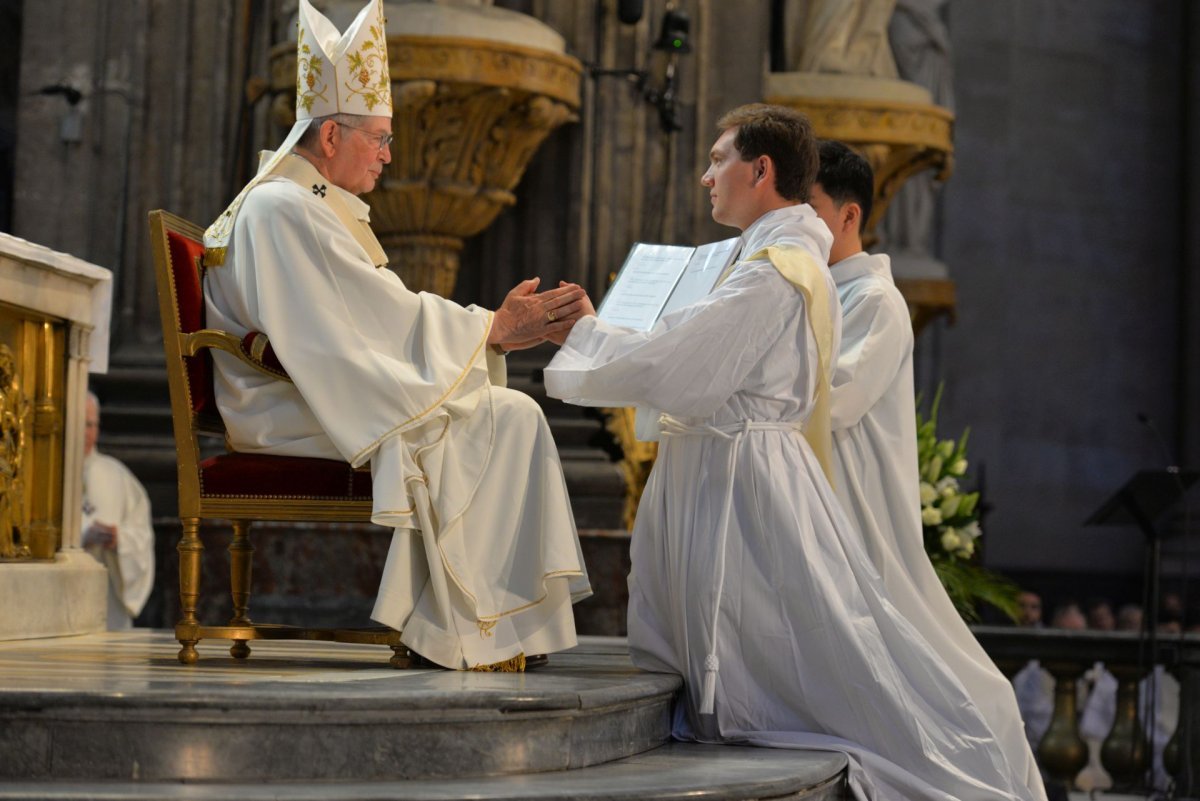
{"type": "Point", "coordinates": [951, 542]}
{"type": "Point", "coordinates": [971, 531]}
{"type": "Point", "coordinates": [928, 493]}
{"type": "Point", "coordinates": [968, 548]}
{"type": "Point", "coordinates": [957, 468]}
{"type": "Point", "coordinates": [930, 516]}
{"type": "Point", "coordinates": [947, 486]}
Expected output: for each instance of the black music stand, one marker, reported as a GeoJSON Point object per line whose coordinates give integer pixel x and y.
{"type": "Point", "coordinates": [1141, 501]}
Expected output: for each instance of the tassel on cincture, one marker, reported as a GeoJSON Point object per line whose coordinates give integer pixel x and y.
{"type": "Point", "coordinates": [708, 695]}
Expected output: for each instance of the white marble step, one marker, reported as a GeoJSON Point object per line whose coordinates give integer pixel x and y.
{"type": "Point", "coordinates": [119, 707]}
{"type": "Point", "coordinates": [673, 772]}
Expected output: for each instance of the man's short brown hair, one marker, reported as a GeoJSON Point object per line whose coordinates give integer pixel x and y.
{"type": "Point", "coordinates": [783, 134]}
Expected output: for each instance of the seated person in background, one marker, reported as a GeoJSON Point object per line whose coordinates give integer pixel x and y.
{"type": "Point", "coordinates": [116, 526]}
{"type": "Point", "coordinates": [1100, 615]}
{"type": "Point", "coordinates": [1129, 617]}
{"type": "Point", "coordinates": [1067, 615]}
{"type": "Point", "coordinates": [1033, 684]}
{"type": "Point", "coordinates": [485, 560]}
{"type": "Point", "coordinates": [1030, 604]}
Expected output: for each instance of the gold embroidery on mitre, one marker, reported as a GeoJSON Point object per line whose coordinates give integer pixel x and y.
{"type": "Point", "coordinates": [356, 81]}
{"type": "Point", "coordinates": [310, 79]}
{"type": "Point", "coordinates": [368, 75]}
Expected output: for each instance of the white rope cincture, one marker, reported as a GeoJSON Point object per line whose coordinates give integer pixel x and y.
{"type": "Point", "coordinates": [673, 427]}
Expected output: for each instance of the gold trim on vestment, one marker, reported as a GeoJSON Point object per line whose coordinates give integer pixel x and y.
{"type": "Point", "coordinates": [493, 619]}
{"type": "Point", "coordinates": [462, 377]}
{"type": "Point", "coordinates": [514, 665]}
{"type": "Point", "coordinates": [799, 268]}
{"type": "Point", "coordinates": [214, 257]}
{"type": "Point", "coordinates": [300, 171]}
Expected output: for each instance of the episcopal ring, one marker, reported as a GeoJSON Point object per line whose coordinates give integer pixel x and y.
{"type": "Point", "coordinates": [551, 316]}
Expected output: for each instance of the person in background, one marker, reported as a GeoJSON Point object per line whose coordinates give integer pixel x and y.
{"type": "Point", "coordinates": [1100, 615]}
{"type": "Point", "coordinates": [116, 526]}
{"type": "Point", "coordinates": [1030, 604]}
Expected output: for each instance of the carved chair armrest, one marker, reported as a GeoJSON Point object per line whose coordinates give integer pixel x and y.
{"type": "Point", "coordinates": [253, 349]}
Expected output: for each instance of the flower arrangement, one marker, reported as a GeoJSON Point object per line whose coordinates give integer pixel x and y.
{"type": "Point", "coordinates": [950, 522]}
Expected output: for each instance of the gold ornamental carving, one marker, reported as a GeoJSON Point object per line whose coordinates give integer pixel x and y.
{"type": "Point", "coordinates": [14, 418]}
{"type": "Point", "coordinates": [637, 459]}
{"type": "Point", "coordinates": [468, 115]}
{"type": "Point", "coordinates": [32, 377]}
{"type": "Point", "coordinates": [899, 140]}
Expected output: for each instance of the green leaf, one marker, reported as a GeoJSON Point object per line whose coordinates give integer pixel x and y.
{"type": "Point", "coordinates": [969, 585]}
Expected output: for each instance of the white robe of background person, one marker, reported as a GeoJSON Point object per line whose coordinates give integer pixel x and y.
{"type": "Point", "coordinates": [485, 560]}
{"type": "Point", "coordinates": [873, 417]}
{"type": "Point", "coordinates": [113, 496]}
{"type": "Point", "coordinates": [811, 652]}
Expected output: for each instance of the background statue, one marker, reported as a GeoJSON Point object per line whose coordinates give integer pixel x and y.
{"type": "Point", "coordinates": [847, 37]}
{"type": "Point", "coordinates": [921, 46]}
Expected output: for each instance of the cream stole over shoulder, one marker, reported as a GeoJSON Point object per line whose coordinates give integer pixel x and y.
{"type": "Point", "coordinates": [298, 169]}
{"type": "Point", "coordinates": [806, 274]}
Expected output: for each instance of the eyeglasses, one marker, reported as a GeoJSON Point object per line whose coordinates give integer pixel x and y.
{"type": "Point", "coordinates": [382, 139]}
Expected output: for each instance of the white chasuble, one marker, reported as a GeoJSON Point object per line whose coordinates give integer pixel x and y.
{"type": "Point", "coordinates": [875, 455]}
{"type": "Point", "coordinates": [112, 496]}
{"type": "Point", "coordinates": [747, 577]}
{"type": "Point", "coordinates": [485, 561]}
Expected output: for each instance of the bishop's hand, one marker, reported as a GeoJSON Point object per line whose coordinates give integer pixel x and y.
{"type": "Point", "coordinates": [526, 318]}
{"type": "Point", "coordinates": [586, 310]}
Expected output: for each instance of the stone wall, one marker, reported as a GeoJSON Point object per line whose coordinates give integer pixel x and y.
{"type": "Point", "coordinates": [158, 124]}
{"type": "Point", "coordinates": [1062, 230]}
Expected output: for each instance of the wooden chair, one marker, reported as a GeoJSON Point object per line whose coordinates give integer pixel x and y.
{"type": "Point", "coordinates": [239, 487]}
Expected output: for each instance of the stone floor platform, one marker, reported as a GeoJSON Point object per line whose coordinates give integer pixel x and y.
{"type": "Point", "coordinates": [672, 772]}
{"type": "Point", "coordinates": [114, 716]}
{"type": "Point", "coordinates": [119, 706]}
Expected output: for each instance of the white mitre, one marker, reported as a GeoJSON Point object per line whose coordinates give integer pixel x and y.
{"type": "Point", "coordinates": [336, 73]}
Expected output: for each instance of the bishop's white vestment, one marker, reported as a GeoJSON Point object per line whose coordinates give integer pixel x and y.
{"type": "Point", "coordinates": [745, 570]}
{"type": "Point", "coordinates": [873, 418]}
{"type": "Point", "coordinates": [485, 560]}
{"type": "Point", "coordinates": [113, 496]}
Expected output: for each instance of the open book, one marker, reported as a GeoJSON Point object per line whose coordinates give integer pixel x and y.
{"type": "Point", "coordinates": [658, 279]}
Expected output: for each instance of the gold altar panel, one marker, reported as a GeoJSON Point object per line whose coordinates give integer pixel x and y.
{"type": "Point", "coordinates": [32, 384]}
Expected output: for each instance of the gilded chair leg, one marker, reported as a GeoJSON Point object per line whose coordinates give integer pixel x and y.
{"type": "Point", "coordinates": [401, 658]}
{"type": "Point", "coordinates": [190, 550]}
{"type": "Point", "coordinates": [241, 553]}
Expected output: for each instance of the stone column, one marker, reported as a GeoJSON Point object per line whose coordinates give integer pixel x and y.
{"type": "Point", "coordinates": [134, 105]}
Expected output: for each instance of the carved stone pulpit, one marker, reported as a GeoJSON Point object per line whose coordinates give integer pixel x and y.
{"type": "Point", "coordinates": [54, 316]}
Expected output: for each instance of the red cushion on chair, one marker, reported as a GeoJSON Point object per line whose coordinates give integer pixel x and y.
{"type": "Point", "coordinates": [186, 260]}
{"type": "Point", "coordinates": [258, 348]}
{"type": "Point", "coordinates": [252, 475]}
